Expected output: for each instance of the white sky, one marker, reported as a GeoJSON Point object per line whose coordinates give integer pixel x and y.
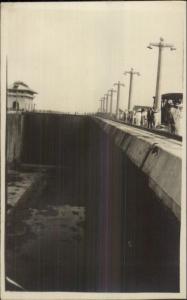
{"type": "Point", "coordinates": [72, 53]}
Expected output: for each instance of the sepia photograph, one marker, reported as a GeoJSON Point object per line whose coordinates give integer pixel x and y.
{"type": "Point", "coordinates": [93, 150]}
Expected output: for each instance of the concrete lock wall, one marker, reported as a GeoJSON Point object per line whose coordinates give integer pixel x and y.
{"type": "Point", "coordinates": [137, 229]}
{"type": "Point", "coordinates": [132, 228]}
{"type": "Point", "coordinates": [52, 139]}
{"type": "Point", "coordinates": [14, 137]}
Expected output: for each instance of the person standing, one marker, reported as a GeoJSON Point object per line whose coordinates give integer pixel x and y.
{"type": "Point", "coordinates": [143, 118]}
{"type": "Point", "coordinates": [134, 117]}
{"type": "Point", "coordinates": [171, 121]}
{"type": "Point", "coordinates": [138, 117]}
{"type": "Point", "coordinates": [149, 125]}
{"type": "Point", "coordinates": [152, 118]}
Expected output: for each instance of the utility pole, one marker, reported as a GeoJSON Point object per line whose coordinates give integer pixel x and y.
{"type": "Point", "coordinates": [132, 73]}
{"type": "Point", "coordinates": [101, 107]}
{"type": "Point", "coordinates": [111, 99]}
{"type": "Point", "coordinates": [106, 97]}
{"type": "Point", "coordinates": [119, 84]}
{"type": "Point", "coordinates": [103, 104]}
{"type": "Point", "coordinates": [160, 47]}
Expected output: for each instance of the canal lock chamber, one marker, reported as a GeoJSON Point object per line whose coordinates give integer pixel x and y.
{"type": "Point", "coordinates": [90, 222]}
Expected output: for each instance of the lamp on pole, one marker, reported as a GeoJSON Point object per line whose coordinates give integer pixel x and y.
{"type": "Point", "coordinates": [160, 46]}
{"type": "Point", "coordinates": [132, 73]}
{"type": "Point", "coordinates": [111, 99]}
{"type": "Point", "coordinates": [119, 84]}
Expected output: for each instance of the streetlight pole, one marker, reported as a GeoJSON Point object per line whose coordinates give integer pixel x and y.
{"type": "Point", "coordinates": [119, 84]}
{"type": "Point", "coordinates": [160, 46]}
{"type": "Point", "coordinates": [103, 102]}
{"type": "Point", "coordinates": [132, 73]}
{"type": "Point", "coordinates": [106, 97]}
{"type": "Point", "coordinates": [101, 107]}
{"type": "Point", "coordinates": [111, 99]}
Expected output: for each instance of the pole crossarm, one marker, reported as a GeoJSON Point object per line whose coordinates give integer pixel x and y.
{"type": "Point", "coordinates": [161, 44]}
{"type": "Point", "coordinates": [119, 83]}
{"type": "Point", "coordinates": [131, 72]}
{"type": "Point", "coordinates": [112, 91]}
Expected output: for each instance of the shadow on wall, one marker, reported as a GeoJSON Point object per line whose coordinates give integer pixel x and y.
{"type": "Point", "coordinates": [58, 138]}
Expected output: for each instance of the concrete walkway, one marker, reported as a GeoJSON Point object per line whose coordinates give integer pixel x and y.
{"type": "Point", "coordinates": [170, 145]}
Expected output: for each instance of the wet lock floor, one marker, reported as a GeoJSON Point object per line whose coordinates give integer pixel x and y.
{"type": "Point", "coordinates": [45, 242]}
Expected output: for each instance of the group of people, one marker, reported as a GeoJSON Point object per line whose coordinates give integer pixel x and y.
{"type": "Point", "coordinates": [146, 117]}
{"type": "Point", "coordinates": [141, 117]}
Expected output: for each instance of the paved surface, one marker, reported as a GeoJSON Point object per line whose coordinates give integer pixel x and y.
{"type": "Point", "coordinates": [170, 145]}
